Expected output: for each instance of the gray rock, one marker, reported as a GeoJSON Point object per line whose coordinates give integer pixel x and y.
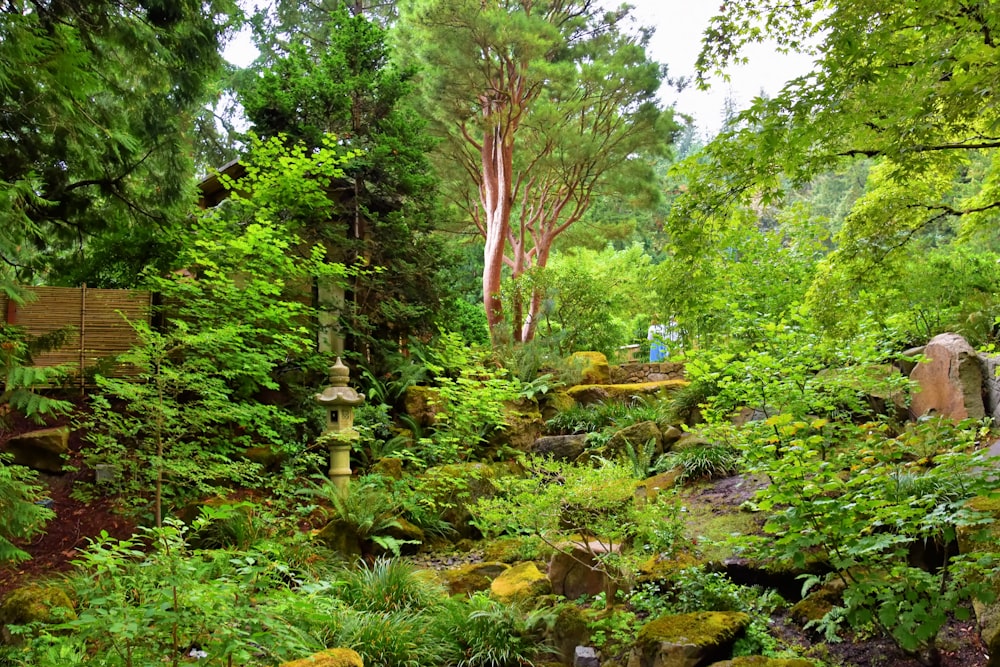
{"type": "Point", "coordinates": [560, 447]}
{"type": "Point", "coordinates": [586, 656]}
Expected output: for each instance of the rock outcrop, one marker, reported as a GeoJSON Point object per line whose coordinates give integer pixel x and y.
{"type": "Point", "coordinates": [950, 381]}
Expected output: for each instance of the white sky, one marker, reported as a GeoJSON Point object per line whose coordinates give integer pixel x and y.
{"type": "Point", "coordinates": [679, 25]}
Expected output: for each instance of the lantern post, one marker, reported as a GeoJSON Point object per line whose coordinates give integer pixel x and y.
{"type": "Point", "coordinates": [339, 401]}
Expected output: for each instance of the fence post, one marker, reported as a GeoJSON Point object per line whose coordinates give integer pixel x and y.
{"type": "Point", "coordinates": [83, 337]}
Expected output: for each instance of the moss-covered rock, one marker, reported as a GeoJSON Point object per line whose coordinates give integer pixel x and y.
{"type": "Point", "coordinates": [636, 435]}
{"type": "Point", "coordinates": [266, 457]}
{"type": "Point", "coordinates": [555, 402]}
{"type": "Point", "coordinates": [471, 577]}
{"type": "Point", "coordinates": [516, 549]}
{"type": "Point", "coordinates": [569, 629]}
{"type": "Point", "coordinates": [390, 467]}
{"type": "Point", "coordinates": [458, 486]}
{"type": "Point", "coordinates": [664, 570]}
{"type": "Point", "coordinates": [522, 583]}
{"type": "Point", "coordinates": [588, 394]}
{"type": "Point", "coordinates": [970, 541]}
{"type": "Point", "coordinates": [761, 661]}
{"type": "Point", "coordinates": [45, 450]}
{"type": "Point", "coordinates": [818, 603]}
{"type": "Point", "coordinates": [688, 640]}
{"type": "Point", "coordinates": [594, 367]}
{"type": "Point", "coordinates": [421, 404]}
{"type": "Point", "coordinates": [331, 657]}
{"type": "Point", "coordinates": [650, 489]}
{"type": "Point", "coordinates": [523, 425]}
{"type": "Point", "coordinates": [340, 537]}
{"type": "Point", "coordinates": [34, 604]}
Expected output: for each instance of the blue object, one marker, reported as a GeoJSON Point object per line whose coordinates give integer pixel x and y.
{"type": "Point", "coordinates": [657, 352]}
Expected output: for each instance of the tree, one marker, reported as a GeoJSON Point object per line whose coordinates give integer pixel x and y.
{"type": "Point", "coordinates": [909, 86]}
{"type": "Point", "coordinates": [540, 106]}
{"type": "Point", "coordinates": [96, 100]}
{"type": "Point", "coordinates": [380, 213]}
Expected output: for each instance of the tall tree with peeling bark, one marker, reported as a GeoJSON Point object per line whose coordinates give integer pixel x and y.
{"type": "Point", "coordinates": [541, 105]}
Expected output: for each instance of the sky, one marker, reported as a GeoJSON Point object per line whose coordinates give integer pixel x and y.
{"type": "Point", "coordinates": [679, 26]}
{"type": "Point", "coordinates": [676, 42]}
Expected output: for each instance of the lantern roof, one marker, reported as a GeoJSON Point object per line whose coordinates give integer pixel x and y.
{"type": "Point", "coordinates": [338, 393]}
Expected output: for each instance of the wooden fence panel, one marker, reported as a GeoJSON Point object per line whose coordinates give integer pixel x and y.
{"type": "Point", "coordinates": [96, 318]}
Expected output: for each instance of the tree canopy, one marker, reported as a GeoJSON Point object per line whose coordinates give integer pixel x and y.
{"type": "Point", "coordinates": [909, 87]}
{"type": "Point", "coordinates": [96, 105]}
{"type": "Point", "coordinates": [540, 106]}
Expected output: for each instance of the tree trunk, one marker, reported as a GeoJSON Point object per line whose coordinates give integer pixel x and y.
{"type": "Point", "coordinates": [495, 195]}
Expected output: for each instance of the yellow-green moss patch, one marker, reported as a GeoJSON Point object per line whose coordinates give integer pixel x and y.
{"type": "Point", "coordinates": [36, 604]}
{"type": "Point", "coordinates": [522, 582]}
{"type": "Point", "coordinates": [703, 628]}
{"type": "Point", "coordinates": [761, 661]}
{"type": "Point", "coordinates": [333, 657]}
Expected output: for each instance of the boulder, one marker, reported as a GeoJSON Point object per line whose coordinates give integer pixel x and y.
{"type": "Point", "coordinates": [588, 394]}
{"type": "Point", "coordinates": [650, 489]}
{"type": "Point", "coordinates": [458, 486]}
{"type": "Point", "coordinates": [408, 536]}
{"type": "Point", "coordinates": [522, 583]}
{"type": "Point", "coordinates": [637, 435]}
{"type": "Point", "coordinates": [390, 467]}
{"type": "Point", "coordinates": [568, 630]}
{"type": "Point", "coordinates": [689, 441]}
{"type": "Point", "coordinates": [522, 426]}
{"type": "Point", "coordinates": [950, 382]}
{"type": "Point", "coordinates": [555, 402]}
{"type": "Point", "coordinates": [990, 365]}
{"type": "Point", "coordinates": [560, 447]}
{"type": "Point", "coordinates": [331, 657]}
{"type": "Point", "coordinates": [471, 577]}
{"type": "Point", "coordinates": [819, 602]}
{"type": "Point", "coordinates": [687, 640]}
{"type": "Point", "coordinates": [670, 434]}
{"type": "Point", "coordinates": [575, 571]}
{"type": "Point", "coordinates": [33, 604]}
{"type": "Point", "coordinates": [341, 537]}
{"type": "Point", "coordinates": [421, 404]}
{"type": "Point", "coordinates": [594, 367]}
{"type": "Point", "coordinates": [761, 661]}
{"type": "Point", "coordinates": [44, 450]}
{"type": "Point", "coordinates": [586, 656]}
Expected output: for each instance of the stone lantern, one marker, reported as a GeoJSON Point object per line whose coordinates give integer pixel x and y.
{"type": "Point", "coordinates": [339, 401]}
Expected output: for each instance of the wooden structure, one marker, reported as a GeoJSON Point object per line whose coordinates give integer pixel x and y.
{"type": "Point", "coordinates": [95, 318]}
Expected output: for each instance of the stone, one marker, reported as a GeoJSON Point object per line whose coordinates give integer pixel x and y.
{"type": "Point", "coordinates": [410, 538]}
{"type": "Point", "coordinates": [266, 457]}
{"type": "Point", "coordinates": [585, 656]}
{"type": "Point", "coordinates": [990, 365]}
{"type": "Point", "coordinates": [458, 486]}
{"type": "Point", "coordinates": [689, 441]}
{"type": "Point", "coordinates": [560, 447]}
{"type": "Point", "coordinates": [555, 402]}
{"type": "Point", "coordinates": [331, 657]}
{"type": "Point", "coordinates": [390, 467]}
{"type": "Point", "coordinates": [637, 435]}
{"type": "Point", "coordinates": [950, 381]}
{"type": "Point", "coordinates": [33, 604]}
{"type": "Point", "coordinates": [342, 538]}
{"type": "Point", "coordinates": [687, 640]}
{"type": "Point", "coordinates": [761, 661]}
{"type": "Point", "coordinates": [589, 394]}
{"type": "Point", "coordinates": [522, 583]}
{"type": "Point", "coordinates": [818, 603]}
{"type": "Point", "coordinates": [522, 426]}
{"type": "Point", "coordinates": [471, 577]}
{"type": "Point", "coordinates": [594, 367]}
{"type": "Point", "coordinates": [650, 488]}
{"type": "Point", "coordinates": [670, 434]}
{"type": "Point", "coordinates": [44, 450]}
{"type": "Point", "coordinates": [574, 569]}
{"type": "Point", "coordinates": [568, 630]}
{"type": "Point", "coordinates": [421, 404]}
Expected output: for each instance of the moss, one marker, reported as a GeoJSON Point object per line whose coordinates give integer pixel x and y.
{"type": "Point", "coordinates": [711, 525]}
{"type": "Point", "coordinates": [660, 569]}
{"type": "Point", "coordinates": [761, 661]}
{"type": "Point", "coordinates": [975, 538]}
{"type": "Point", "coordinates": [517, 549]}
{"type": "Point", "coordinates": [472, 577]}
{"type": "Point", "coordinates": [34, 604]}
{"type": "Point", "coordinates": [702, 629]}
{"type": "Point", "coordinates": [520, 583]}
{"type": "Point", "coordinates": [585, 394]}
{"type": "Point", "coordinates": [333, 657]}
{"type": "Point", "coordinates": [594, 367]}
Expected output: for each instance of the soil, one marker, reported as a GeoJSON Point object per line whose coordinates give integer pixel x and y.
{"type": "Point", "coordinates": [77, 522]}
